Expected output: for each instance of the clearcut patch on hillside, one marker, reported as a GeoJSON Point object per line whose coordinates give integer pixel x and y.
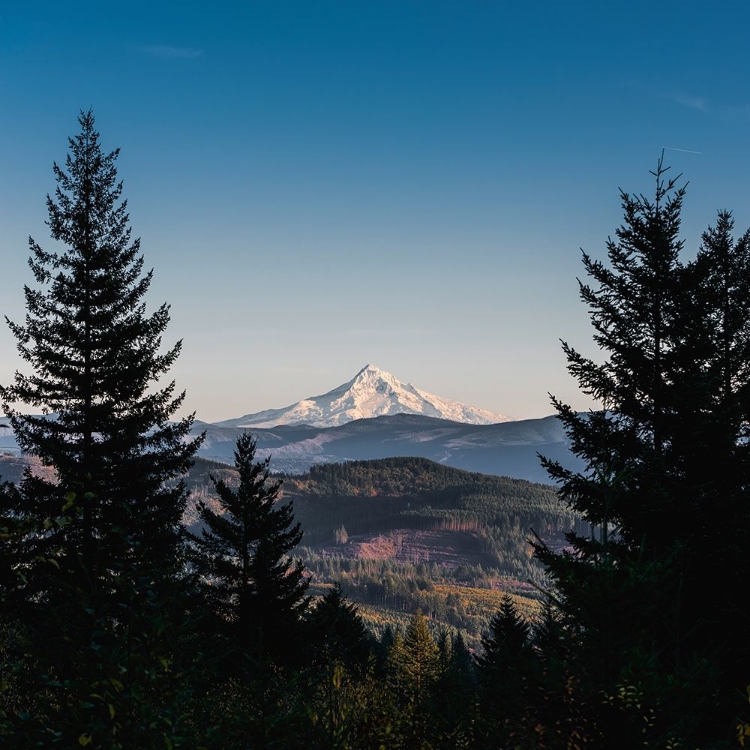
{"type": "Point", "coordinates": [450, 549]}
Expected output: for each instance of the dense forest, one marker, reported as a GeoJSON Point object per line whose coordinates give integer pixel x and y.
{"type": "Point", "coordinates": [132, 617]}
{"type": "Point", "coordinates": [408, 534]}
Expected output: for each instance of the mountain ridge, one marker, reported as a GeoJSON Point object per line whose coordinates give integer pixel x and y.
{"type": "Point", "coordinates": [507, 448]}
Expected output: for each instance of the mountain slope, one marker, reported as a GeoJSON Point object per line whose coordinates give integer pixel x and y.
{"type": "Point", "coordinates": [406, 533]}
{"type": "Point", "coordinates": [371, 393]}
{"type": "Point", "coordinates": [508, 449]}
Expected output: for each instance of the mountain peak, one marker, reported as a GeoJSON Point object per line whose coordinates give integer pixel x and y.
{"type": "Point", "coordinates": [369, 368]}
{"type": "Point", "coordinates": [371, 374]}
{"type": "Point", "coordinates": [371, 393]}
{"type": "Point", "coordinates": [371, 371]}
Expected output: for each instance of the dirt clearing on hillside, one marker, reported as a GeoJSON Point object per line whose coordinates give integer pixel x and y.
{"type": "Point", "coordinates": [445, 548]}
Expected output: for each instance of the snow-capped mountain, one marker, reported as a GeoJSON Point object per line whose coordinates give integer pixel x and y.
{"type": "Point", "coordinates": [371, 393]}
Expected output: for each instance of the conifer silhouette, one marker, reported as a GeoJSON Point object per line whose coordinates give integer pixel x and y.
{"type": "Point", "coordinates": [95, 355]}
{"type": "Point", "coordinates": [242, 555]}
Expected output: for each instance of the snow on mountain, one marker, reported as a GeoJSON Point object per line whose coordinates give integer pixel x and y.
{"type": "Point", "coordinates": [371, 393]}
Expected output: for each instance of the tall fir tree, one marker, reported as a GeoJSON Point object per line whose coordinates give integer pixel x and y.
{"type": "Point", "coordinates": [95, 356]}
{"type": "Point", "coordinates": [712, 455]}
{"type": "Point", "coordinates": [666, 472]}
{"type": "Point", "coordinates": [609, 583]}
{"type": "Point", "coordinates": [97, 555]}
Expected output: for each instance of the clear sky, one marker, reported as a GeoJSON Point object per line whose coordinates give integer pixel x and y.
{"type": "Point", "coordinates": [322, 185]}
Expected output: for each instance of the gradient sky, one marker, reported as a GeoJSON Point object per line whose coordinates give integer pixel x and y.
{"type": "Point", "coordinates": [322, 185]}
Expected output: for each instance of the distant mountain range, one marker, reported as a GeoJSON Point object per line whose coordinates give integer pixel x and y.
{"type": "Point", "coordinates": [506, 449]}
{"type": "Point", "coordinates": [374, 415]}
{"type": "Point", "coordinates": [371, 393]}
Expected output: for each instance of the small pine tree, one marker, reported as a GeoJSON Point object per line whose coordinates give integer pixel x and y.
{"type": "Point", "coordinates": [455, 691]}
{"type": "Point", "coordinates": [508, 638]}
{"type": "Point", "coordinates": [242, 556]}
{"type": "Point", "coordinates": [505, 669]}
{"type": "Point", "coordinates": [341, 535]}
{"type": "Point", "coordinates": [337, 633]}
{"type": "Point", "coordinates": [420, 664]}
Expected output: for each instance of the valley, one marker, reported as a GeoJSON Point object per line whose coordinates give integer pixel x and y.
{"type": "Point", "coordinates": [402, 534]}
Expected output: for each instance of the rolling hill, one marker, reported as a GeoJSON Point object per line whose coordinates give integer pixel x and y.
{"type": "Point", "coordinates": [408, 533]}
{"type": "Point", "coordinates": [505, 449]}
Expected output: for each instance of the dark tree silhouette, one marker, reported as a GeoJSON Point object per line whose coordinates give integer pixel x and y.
{"type": "Point", "coordinates": [507, 638]}
{"type": "Point", "coordinates": [95, 355]}
{"type": "Point", "coordinates": [242, 555]}
{"type": "Point", "coordinates": [338, 634]}
{"type": "Point", "coordinates": [505, 668]}
{"type": "Point", "coordinates": [665, 488]}
{"type": "Point", "coordinates": [95, 549]}
{"type": "Point", "coordinates": [456, 687]}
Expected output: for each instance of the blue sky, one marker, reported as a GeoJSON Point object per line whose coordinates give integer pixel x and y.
{"type": "Point", "coordinates": [320, 185]}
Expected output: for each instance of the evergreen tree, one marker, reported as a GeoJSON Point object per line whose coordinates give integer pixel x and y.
{"type": "Point", "coordinates": [338, 634]}
{"type": "Point", "coordinates": [420, 665]}
{"type": "Point", "coordinates": [242, 555]}
{"type": "Point", "coordinates": [96, 550]}
{"type": "Point", "coordinates": [507, 641]}
{"type": "Point", "coordinates": [716, 450]}
{"type": "Point", "coordinates": [505, 669]}
{"type": "Point", "coordinates": [610, 584]}
{"type": "Point", "coordinates": [461, 665]}
{"type": "Point", "coordinates": [666, 474]}
{"type": "Point", "coordinates": [94, 355]}
{"type": "Point", "coordinates": [456, 688]}
{"type": "Point", "coordinates": [383, 649]}
{"type": "Point", "coordinates": [549, 636]}
{"type": "Point", "coordinates": [396, 675]}
{"type": "Point", "coordinates": [413, 671]}
{"type": "Point", "coordinates": [341, 664]}
{"type": "Point", "coordinates": [635, 312]}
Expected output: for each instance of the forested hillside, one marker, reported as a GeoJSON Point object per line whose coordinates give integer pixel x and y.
{"type": "Point", "coordinates": [403, 534]}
